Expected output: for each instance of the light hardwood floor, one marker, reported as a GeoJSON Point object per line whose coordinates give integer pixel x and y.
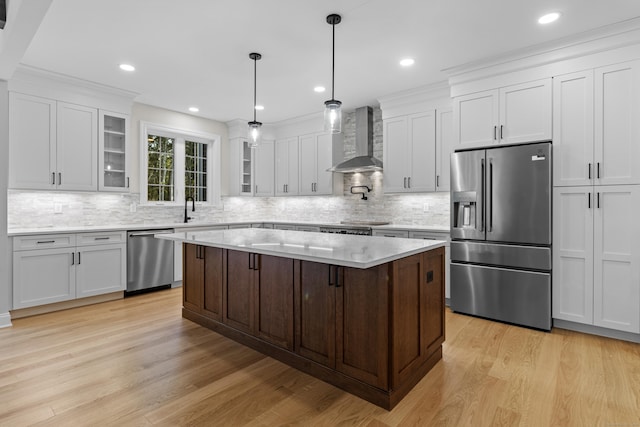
{"type": "Point", "coordinates": [136, 362]}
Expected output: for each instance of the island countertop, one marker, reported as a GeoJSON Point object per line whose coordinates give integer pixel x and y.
{"type": "Point", "coordinates": [337, 249]}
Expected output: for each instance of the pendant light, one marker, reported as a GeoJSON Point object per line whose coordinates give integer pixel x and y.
{"type": "Point", "coordinates": [333, 107]}
{"type": "Point", "coordinates": [255, 134]}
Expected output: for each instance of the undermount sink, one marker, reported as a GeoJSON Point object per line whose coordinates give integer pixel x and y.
{"type": "Point", "coordinates": [370, 223]}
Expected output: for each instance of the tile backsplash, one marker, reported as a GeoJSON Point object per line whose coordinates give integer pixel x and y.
{"type": "Point", "coordinates": [45, 209]}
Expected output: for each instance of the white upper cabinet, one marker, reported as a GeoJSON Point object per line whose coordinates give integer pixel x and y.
{"type": "Point", "coordinates": [444, 148]}
{"type": "Point", "coordinates": [513, 114]}
{"type": "Point", "coordinates": [32, 136]}
{"type": "Point", "coordinates": [315, 156]}
{"type": "Point", "coordinates": [286, 167]}
{"type": "Point", "coordinates": [573, 129]}
{"type": "Point", "coordinates": [596, 126]}
{"type": "Point", "coordinates": [617, 124]}
{"type": "Point", "coordinates": [77, 147]}
{"type": "Point", "coordinates": [264, 169]}
{"type": "Point", "coordinates": [113, 161]}
{"type": "Point", "coordinates": [409, 153]}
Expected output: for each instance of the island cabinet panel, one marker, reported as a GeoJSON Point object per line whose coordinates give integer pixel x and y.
{"type": "Point", "coordinates": [193, 277]}
{"type": "Point", "coordinates": [238, 306]}
{"type": "Point", "coordinates": [315, 308]}
{"type": "Point", "coordinates": [274, 299]}
{"type": "Point", "coordinates": [202, 280]}
{"type": "Point", "coordinates": [362, 339]}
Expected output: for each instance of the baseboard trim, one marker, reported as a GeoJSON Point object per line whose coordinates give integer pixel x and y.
{"type": "Point", "coordinates": [64, 305]}
{"type": "Point", "coordinates": [5, 320]}
{"type": "Point", "coordinates": [596, 330]}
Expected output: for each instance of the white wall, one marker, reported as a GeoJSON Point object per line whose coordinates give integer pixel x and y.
{"type": "Point", "coordinates": [5, 254]}
{"type": "Point", "coordinates": [176, 120]}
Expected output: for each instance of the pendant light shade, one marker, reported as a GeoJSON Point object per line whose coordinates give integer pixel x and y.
{"type": "Point", "coordinates": [333, 107]}
{"type": "Point", "coordinates": [255, 132]}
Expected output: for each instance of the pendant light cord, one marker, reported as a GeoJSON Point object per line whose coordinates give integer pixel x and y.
{"type": "Point", "coordinates": [255, 80]}
{"type": "Point", "coordinates": [333, 59]}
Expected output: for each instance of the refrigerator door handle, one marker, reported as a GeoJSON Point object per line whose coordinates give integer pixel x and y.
{"type": "Point", "coordinates": [490, 204]}
{"type": "Point", "coordinates": [482, 185]}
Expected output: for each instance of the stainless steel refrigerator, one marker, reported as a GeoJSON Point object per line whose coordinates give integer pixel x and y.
{"type": "Point", "coordinates": [501, 233]}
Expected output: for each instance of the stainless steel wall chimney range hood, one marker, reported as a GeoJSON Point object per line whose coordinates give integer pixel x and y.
{"type": "Point", "coordinates": [364, 160]}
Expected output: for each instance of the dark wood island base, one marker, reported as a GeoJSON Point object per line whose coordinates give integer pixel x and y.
{"type": "Point", "coordinates": [372, 332]}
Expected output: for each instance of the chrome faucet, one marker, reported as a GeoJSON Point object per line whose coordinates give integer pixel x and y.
{"type": "Point", "coordinates": [193, 208]}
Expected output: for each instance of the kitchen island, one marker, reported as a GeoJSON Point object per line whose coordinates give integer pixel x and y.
{"type": "Point", "coordinates": [363, 313]}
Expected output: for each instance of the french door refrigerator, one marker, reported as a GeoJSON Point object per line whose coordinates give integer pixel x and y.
{"type": "Point", "coordinates": [501, 233]}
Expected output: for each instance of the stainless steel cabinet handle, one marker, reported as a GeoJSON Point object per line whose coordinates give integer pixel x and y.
{"type": "Point", "coordinates": [495, 133]}
{"type": "Point", "coordinates": [437, 180]}
{"type": "Point", "coordinates": [127, 182]}
{"type": "Point", "coordinates": [59, 178]}
{"type": "Point", "coordinates": [598, 170]}
{"type": "Point", "coordinates": [101, 238]}
{"type": "Point", "coordinates": [73, 258]}
{"type": "Point", "coordinates": [46, 241]}
{"type": "Point", "coordinates": [598, 200]}
{"type": "Point", "coordinates": [589, 201]}
{"type": "Point", "coordinates": [404, 185]}
{"type": "Point", "coordinates": [589, 170]}
{"type": "Point", "coordinates": [53, 178]}
{"type": "Point", "coordinates": [79, 261]}
{"type": "Point", "coordinates": [501, 129]}
{"type": "Point", "coordinates": [409, 181]}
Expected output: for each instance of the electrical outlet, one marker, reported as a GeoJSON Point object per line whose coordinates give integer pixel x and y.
{"type": "Point", "coordinates": [425, 207]}
{"type": "Point", "coordinates": [57, 208]}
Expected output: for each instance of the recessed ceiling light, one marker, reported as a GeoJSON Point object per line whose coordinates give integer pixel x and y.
{"type": "Point", "coordinates": [259, 107]}
{"type": "Point", "coordinates": [407, 62]}
{"type": "Point", "coordinates": [194, 109]}
{"type": "Point", "coordinates": [127, 67]}
{"type": "Point", "coordinates": [548, 18]}
{"type": "Point", "coordinates": [319, 89]}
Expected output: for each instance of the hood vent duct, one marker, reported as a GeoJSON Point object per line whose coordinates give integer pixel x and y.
{"type": "Point", "coordinates": [364, 160]}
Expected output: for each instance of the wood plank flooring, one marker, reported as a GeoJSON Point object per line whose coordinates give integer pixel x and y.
{"type": "Point", "coordinates": [136, 362]}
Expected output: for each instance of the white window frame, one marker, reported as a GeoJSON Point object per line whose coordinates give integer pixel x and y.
{"type": "Point", "coordinates": [179, 136]}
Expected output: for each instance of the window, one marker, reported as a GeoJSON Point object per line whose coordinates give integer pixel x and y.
{"type": "Point", "coordinates": [178, 164]}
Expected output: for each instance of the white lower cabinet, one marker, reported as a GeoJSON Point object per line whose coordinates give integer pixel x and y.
{"type": "Point", "coordinates": [596, 258]}
{"type": "Point", "coordinates": [54, 268]}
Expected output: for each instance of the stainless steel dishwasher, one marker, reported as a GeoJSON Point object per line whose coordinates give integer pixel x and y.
{"type": "Point", "coordinates": [149, 261]}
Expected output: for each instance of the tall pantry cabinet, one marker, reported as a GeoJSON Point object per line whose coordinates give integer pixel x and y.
{"type": "Point", "coordinates": [596, 196]}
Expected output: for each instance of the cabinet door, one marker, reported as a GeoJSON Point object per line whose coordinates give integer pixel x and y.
{"type": "Point", "coordinates": [525, 112]}
{"type": "Point", "coordinates": [77, 147]}
{"type": "Point", "coordinates": [396, 155]}
{"type": "Point", "coordinates": [444, 148]}
{"type": "Point", "coordinates": [617, 128]}
{"type": "Point", "coordinates": [308, 165]}
{"type": "Point", "coordinates": [264, 169]}
{"type": "Point", "coordinates": [286, 167]}
{"type": "Point", "coordinates": [213, 282]}
{"type": "Point", "coordinates": [362, 328]}
{"type": "Point", "coordinates": [43, 277]}
{"type": "Point", "coordinates": [573, 129]}
{"type": "Point", "coordinates": [32, 142]}
{"type": "Point", "coordinates": [112, 152]}
{"type": "Point", "coordinates": [617, 258]}
{"type": "Point", "coordinates": [475, 119]}
{"type": "Point", "coordinates": [573, 210]}
{"type": "Point", "coordinates": [192, 277]}
{"type": "Point", "coordinates": [315, 321]}
{"type": "Point", "coordinates": [422, 145]}
{"type": "Point", "coordinates": [274, 300]}
{"type": "Point", "coordinates": [238, 291]}
{"type": "Point", "coordinates": [324, 160]}
{"type": "Point", "coordinates": [100, 269]}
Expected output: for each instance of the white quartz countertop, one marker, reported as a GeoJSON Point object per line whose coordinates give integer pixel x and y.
{"type": "Point", "coordinates": [337, 249]}
{"type": "Point", "coordinates": [156, 226]}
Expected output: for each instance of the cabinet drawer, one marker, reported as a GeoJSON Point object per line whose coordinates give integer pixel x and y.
{"type": "Point", "coordinates": [43, 241]}
{"type": "Point", "coordinates": [102, 238]}
{"type": "Point", "coordinates": [428, 235]}
{"type": "Point", "coordinates": [390, 233]}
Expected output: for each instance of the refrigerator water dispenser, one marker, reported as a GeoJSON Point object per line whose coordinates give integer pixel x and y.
{"type": "Point", "coordinates": [464, 209]}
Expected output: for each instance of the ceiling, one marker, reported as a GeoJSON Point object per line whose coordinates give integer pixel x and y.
{"type": "Point", "coordinates": [195, 52]}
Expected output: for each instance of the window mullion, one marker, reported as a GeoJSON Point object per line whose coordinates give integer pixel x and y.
{"type": "Point", "coordinates": [179, 170]}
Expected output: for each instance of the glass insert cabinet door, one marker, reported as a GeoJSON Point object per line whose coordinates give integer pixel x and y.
{"type": "Point", "coordinates": [114, 174]}
{"type": "Point", "coordinates": [246, 183]}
